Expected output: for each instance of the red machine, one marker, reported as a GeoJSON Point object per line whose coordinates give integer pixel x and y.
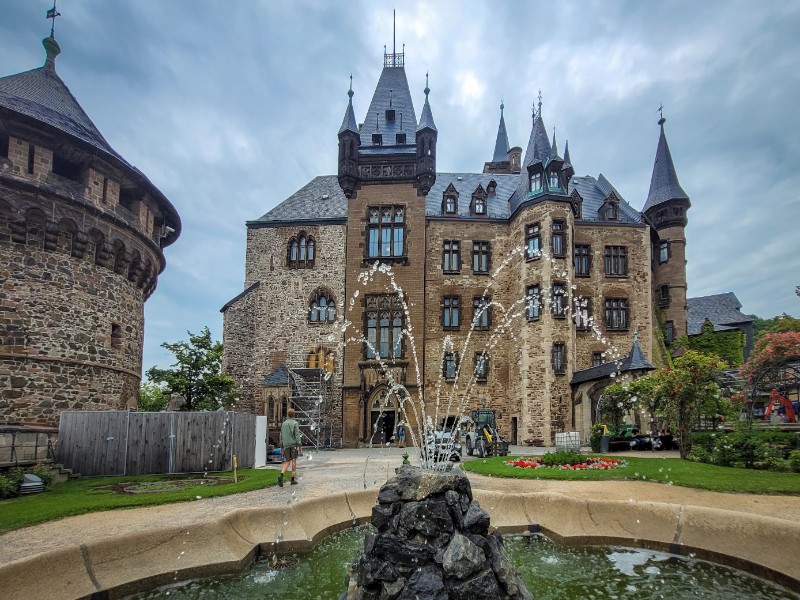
{"type": "Point", "coordinates": [775, 398]}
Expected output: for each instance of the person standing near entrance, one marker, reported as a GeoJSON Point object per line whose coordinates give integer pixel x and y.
{"type": "Point", "coordinates": [290, 444]}
{"type": "Point", "coordinates": [401, 435]}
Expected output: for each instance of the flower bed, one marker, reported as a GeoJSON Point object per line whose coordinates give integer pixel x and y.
{"type": "Point", "coordinates": [589, 463]}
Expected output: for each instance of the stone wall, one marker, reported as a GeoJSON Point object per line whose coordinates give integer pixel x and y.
{"type": "Point", "coordinates": [270, 325]}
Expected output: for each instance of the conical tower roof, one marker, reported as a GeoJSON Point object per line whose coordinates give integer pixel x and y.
{"type": "Point", "coordinates": [349, 121]}
{"type": "Point", "coordinates": [426, 120]}
{"type": "Point", "coordinates": [664, 183]}
{"type": "Point", "coordinates": [539, 150]}
{"type": "Point", "coordinates": [567, 160]}
{"type": "Point", "coordinates": [501, 145]}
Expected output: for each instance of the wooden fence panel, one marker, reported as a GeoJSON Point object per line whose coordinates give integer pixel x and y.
{"type": "Point", "coordinates": [148, 443]}
{"type": "Point", "coordinates": [120, 442]}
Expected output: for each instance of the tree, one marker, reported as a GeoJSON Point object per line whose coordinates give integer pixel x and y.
{"type": "Point", "coordinates": [684, 392]}
{"type": "Point", "coordinates": [197, 374]}
{"type": "Point", "coordinates": [152, 398]}
{"type": "Point", "coordinates": [772, 349]}
{"type": "Point", "coordinates": [777, 324]}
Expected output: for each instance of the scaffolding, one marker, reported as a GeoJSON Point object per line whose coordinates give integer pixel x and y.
{"type": "Point", "coordinates": [311, 395]}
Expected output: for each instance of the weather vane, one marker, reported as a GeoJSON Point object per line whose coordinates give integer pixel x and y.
{"type": "Point", "coordinates": [52, 13]}
{"type": "Point", "coordinates": [661, 110]}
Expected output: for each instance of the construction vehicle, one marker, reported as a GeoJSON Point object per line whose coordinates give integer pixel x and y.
{"type": "Point", "coordinates": [776, 398]}
{"type": "Point", "coordinates": [480, 433]}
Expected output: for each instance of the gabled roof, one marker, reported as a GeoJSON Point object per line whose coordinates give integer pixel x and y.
{"type": "Point", "coordinates": [309, 203]}
{"type": "Point", "coordinates": [501, 143]}
{"type": "Point", "coordinates": [392, 86]}
{"type": "Point", "coordinates": [465, 184]}
{"type": "Point", "coordinates": [635, 361]}
{"type": "Point", "coordinates": [721, 309]}
{"type": "Point", "coordinates": [664, 183]}
{"type": "Point", "coordinates": [594, 193]}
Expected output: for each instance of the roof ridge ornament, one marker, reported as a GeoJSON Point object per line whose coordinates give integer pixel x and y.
{"type": "Point", "coordinates": [662, 120]}
{"type": "Point", "coordinates": [350, 92]}
{"type": "Point", "coordinates": [52, 13]}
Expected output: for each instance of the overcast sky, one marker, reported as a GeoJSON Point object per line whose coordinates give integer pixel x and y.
{"type": "Point", "coordinates": [229, 107]}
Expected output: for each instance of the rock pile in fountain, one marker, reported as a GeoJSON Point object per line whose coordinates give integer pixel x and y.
{"type": "Point", "coordinates": [432, 542]}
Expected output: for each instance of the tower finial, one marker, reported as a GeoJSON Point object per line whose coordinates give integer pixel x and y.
{"type": "Point", "coordinates": [394, 32]}
{"type": "Point", "coordinates": [52, 13]}
{"type": "Point", "coordinates": [502, 106]}
{"type": "Point", "coordinates": [350, 91]}
{"type": "Point", "coordinates": [540, 104]}
{"type": "Point", "coordinates": [427, 90]}
{"type": "Point", "coordinates": [662, 120]}
{"type": "Point", "coordinates": [533, 110]}
{"type": "Point", "coordinates": [390, 98]}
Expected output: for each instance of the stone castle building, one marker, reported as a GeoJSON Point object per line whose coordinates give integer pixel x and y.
{"type": "Point", "coordinates": [81, 239]}
{"type": "Point", "coordinates": [527, 289]}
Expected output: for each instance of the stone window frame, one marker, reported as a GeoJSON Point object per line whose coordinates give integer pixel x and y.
{"type": "Point", "coordinates": [533, 241]}
{"type": "Point", "coordinates": [558, 298]}
{"type": "Point", "coordinates": [664, 252]}
{"type": "Point", "coordinates": [616, 314]}
{"type": "Point", "coordinates": [663, 295]}
{"type": "Point", "coordinates": [481, 313]}
{"type": "Point", "coordinates": [301, 251]}
{"type": "Point", "coordinates": [479, 205]}
{"type": "Point", "coordinates": [558, 239]}
{"type": "Point", "coordinates": [451, 313]}
{"type": "Point", "coordinates": [481, 366]}
{"type": "Point", "coordinates": [481, 257]}
{"type": "Point", "coordinates": [558, 357]}
{"type": "Point", "coordinates": [582, 260]}
{"type": "Point", "coordinates": [323, 304]}
{"type": "Point", "coordinates": [669, 331]}
{"type": "Point", "coordinates": [597, 358]}
{"type": "Point", "coordinates": [615, 261]}
{"type": "Point", "coordinates": [582, 313]}
{"type": "Point", "coordinates": [386, 220]}
{"type": "Point", "coordinates": [451, 256]}
{"type": "Point", "coordinates": [384, 324]}
{"type": "Point", "coordinates": [117, 337]}
{"type": "Point", "coordinates": [533, 302]}
{"type": "Point", "coordinates": [450, 366]}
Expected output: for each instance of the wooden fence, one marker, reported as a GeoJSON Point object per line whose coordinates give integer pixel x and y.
{"type": "Point", "coordinates": [137, 443]}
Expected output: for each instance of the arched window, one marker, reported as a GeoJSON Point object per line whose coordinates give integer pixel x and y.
{"type": "Point", "coordinates": [322, 308]}
{"type": "Point", "coordinates": [301, 252]}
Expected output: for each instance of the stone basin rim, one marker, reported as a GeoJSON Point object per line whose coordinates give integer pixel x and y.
{"type": "Point", "coordinates": [133, 562]}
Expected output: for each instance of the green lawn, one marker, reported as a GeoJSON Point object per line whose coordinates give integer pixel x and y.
{"type": "Point", "coordinates": [669, 471]}
{"type": "Point", "coordinates": [79, 496]}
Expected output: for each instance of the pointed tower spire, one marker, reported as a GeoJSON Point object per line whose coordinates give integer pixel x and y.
{"type": "Point", "coordinates": [501, 143]}
{"type": "Point", "coordinates": [426, 147]}
{"type": "Point", "coordinates": [349, 141]}
{"type": "Point", "coordinates": [349, 121]}
{"type": "Point", "coordinates": [567, 160]}
{"type": "Point", "coordinates": [555, 144]}
{"type": "Point", "coordinates": [426, 120]}
{"type": "Point", "coordinates": [664, 185]}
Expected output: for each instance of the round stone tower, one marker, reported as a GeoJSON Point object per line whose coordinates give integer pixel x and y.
{"type": "Point", "coordinates": [82, 234]}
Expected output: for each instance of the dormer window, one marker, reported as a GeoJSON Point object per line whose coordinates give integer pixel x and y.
{"type": "Point", "coordinates": [578, 204]}
{"type": "Point", "coordinates": [536, 182]}
{"type": "Point", "coordinates": [450, 205]}
{"type": "Point", "coordinates": [491, 189]}
{"type": "Point", "coordinates": [377, 139]}
{"type": "Point", "coordinates": [552, 181]}
{"type": "Point", "coordinates": [390, 115]}
{"type": "Point", "coordinates": [401, 139]}
{"type": "Point", "coordinates": [612, 211]}
{"type": "Point", "coordinates": [480, 206]}
{"type": "Point", "coordinates": [450, 200]}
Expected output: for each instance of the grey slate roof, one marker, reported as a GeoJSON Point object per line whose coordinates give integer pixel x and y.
{"type": "Point", "coordinates": [664, 183]}
{"type": "Point", "coordinates": [41, 95]}
{"type": "Point", "coordinates": [392, 84]}
{"type": "Point", "coordinates": [635, 361]}
{"type": "Point", "coordinates": [308, 204]}
{"type": "Point", "coordinates": [721, 309]}
{"type": "Point", "coordinates": [426, 120]}
{"type": "Point", "coordinates": [349, 120]}
{"type": "Point", "coordinates": [279, 376]}
{"type": "Point", "coordinates": [466, 184]}
{"type": "Point", "coordinates": [501, 143]}
{"type": "Point", "coordinates": [594, 193]}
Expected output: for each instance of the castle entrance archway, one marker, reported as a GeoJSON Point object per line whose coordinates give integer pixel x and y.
{"type": "Point", "coordinates": [383, 415]}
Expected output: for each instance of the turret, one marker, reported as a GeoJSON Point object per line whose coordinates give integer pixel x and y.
{"type": "Point", "coordinates": [426, 147]}
{"type": "Point", "coordinates": [666, 209]}
{"type": "Point", "coordinates": [504, 159]}
{"type": "Point", "coordinates": [349, 141]}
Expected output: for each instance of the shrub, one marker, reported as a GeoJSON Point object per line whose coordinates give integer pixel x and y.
{"type": "Point", "coordinates": [43, 472]}
{"type": "Point", "coordinates": [594, 437]}
{"type": "Point", "coordinates": [8, 487]}
{"type": "Point", "coordinates": [563, 457]}
{"type": "Point", "coordinates": [794, 460]}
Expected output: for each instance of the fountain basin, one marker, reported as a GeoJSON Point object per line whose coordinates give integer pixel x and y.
{"type": "Point", "coordinates": [122, 565]}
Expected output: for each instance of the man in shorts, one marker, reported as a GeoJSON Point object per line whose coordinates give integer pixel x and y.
{"type": "Point", "coordinates": [290, 444]}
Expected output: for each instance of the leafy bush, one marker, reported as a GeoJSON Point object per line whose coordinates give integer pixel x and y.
{"type": "Point", "coordinates": [594, 437]}
{"type": "Point", "coordinates": [563, 457]}
{"type": "Point", "coordinates": [10, 481]}
{"type": "Point", "coordinates": [794, 460]}
{"type": "Point", "coordinates": [744, 448]}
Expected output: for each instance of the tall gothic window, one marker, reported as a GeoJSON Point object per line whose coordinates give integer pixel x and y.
{"type": "Point", "coordinates": [480, 257]}
{"type": "Point", "coordinates": [385, 231]}
{"type": "Point", "coordinates": [533, 303]}
{"type": "Point", "coordinates": [481, 313]}
{"type": "Point", "coordinates": [559, 300]}
{"type": "Point", "coordinates": [559, 239]}
{"type": "Point", "coordinates": [322, 308]}
{"type": "Point", "coordinates": [450, 205]}
{"type": "Point", "coordinates": [663, 252]}
{"type": "Point", "coordinates": [301, 251]}
{"type": "Point", "coordinates": [450, 365]}
{"type": "Point", "coordinates": [481, 366]}
{"type": "Point", "coordinates": [451, 315]}
{"type": "Point", "coordinates": [553, 182]}
{"type": "Point", "coordinates": [384, 327]}
{"type": "Point", "coordinates": [559, 358]}
{"type": "Point", "coordinates": [451, 256]}
{"type": "Point", "coordinates": [533, 241]}
{"type": "Point", "coordinates": [616, 314]}
{"type": "Point", "coordinates": [582, 259]}
{"type": "Point", "coordinates": [537, 183]}
{"type": "Point", "coordinates": [616, 261]}
{"type": "Point", "coordinates": [582, 313]}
